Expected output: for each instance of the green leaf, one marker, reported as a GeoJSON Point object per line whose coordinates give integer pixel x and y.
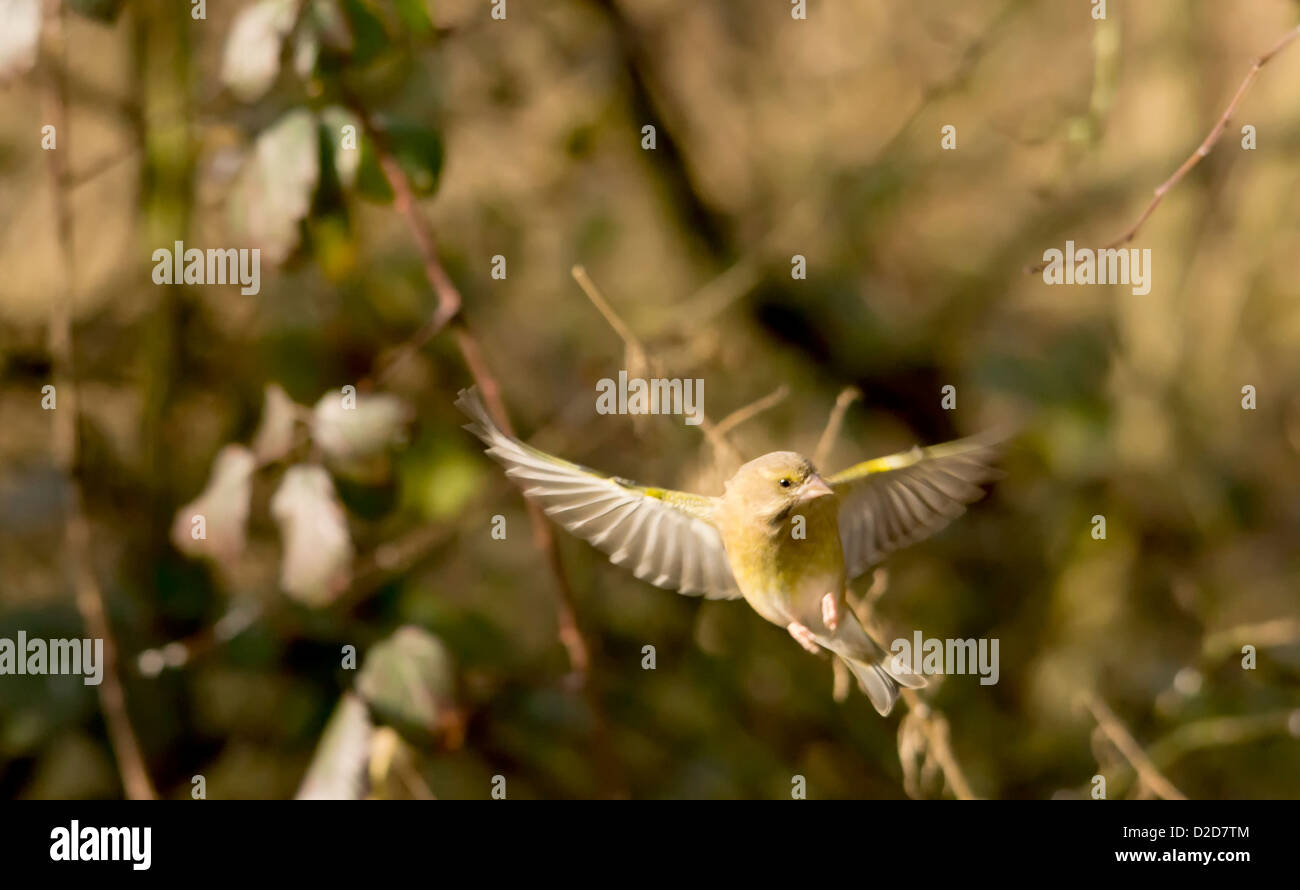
{"type": "Point", "coordinates": [409, 681]}
{"type": "Point", "coordinates": [414, 14]}
{"type": "Point", "coordinates": [322, 38]}
{"type": "Point", "coordinates": [20, 32]}
{"type": "Point", "coordinates": [399, 19]}
{"type": "Point", "coordinates": [372, 183]}
{"type": "Point", "coordinates": [344, 144]}
{"type": "Point", "coordinates": [105, 11]}
{"type": "Point", "coordinates": [273, 191]}
{"type": "Point", "coordinates": [418, 150]}
{"type": "Point", "coordinates": [369, 39]}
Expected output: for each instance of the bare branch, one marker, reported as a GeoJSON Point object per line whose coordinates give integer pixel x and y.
{"type": "Point", "coordinates": [89, 596]}
{"type": "Point", "coordinates": [447, 313]}
{"type": "Point", "coordinates": [1213, 732]}
{"type": "Point", "coordinates": [848, 395]}
{"type": "Point", "coordinates": [630, 340]}
{"type": "Point", "coordinates": [179, 653]}
{"type": "Point", "coordinates": [752, 410]}
{"type": "Point", "coordinates": [933, 725]}
{"type": "Point", "coordinates": [1201, 151]}
{"type": "Point", "coordinates": [1266, 634]}
{"type": "Point", "coordinates": [724, 452]}
{"type": "Point", "coordinates": [1122, 739]}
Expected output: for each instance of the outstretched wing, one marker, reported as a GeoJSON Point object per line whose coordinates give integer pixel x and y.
{"type": "Point", "coordinates": [894, 501]}
{"type": "Point", "coordinates": [665, 537]}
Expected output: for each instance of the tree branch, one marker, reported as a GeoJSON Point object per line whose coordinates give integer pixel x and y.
{"type": "Point", "coordinates": [724, 452]}
{"type": "Point", "coordinates": [752, 410]}
{"type": "Point", "coordinates": [935, 728]}
{"type": "Point", "coordinates": [1265, 634]}
{"type": "Point", "coordinates": [848, 395]}
{"type": "Point", "coordinates": [89, 596]}
{"type": "Point", "coordinates": [1122, 739]}
{"type": "Point", "coordinates": [1201, 151]}
{"type": "Point", "coordinates": [447, 313]}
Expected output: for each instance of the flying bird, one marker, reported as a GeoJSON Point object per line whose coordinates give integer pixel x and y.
{"type": "Point", "coordinates": [781, 536]}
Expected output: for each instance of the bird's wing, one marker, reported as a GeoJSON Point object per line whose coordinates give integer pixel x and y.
{"type": "Point", "coordinates": [893, 501]}
{"type": "Point", "coordinates": [665, 537]}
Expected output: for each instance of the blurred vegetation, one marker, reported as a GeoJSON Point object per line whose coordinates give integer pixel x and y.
{"type": "Point", "coordinates": [522, 138]}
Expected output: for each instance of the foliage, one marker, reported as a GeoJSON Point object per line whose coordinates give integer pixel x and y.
{"type": "Point", "coordinates": [311, 423]}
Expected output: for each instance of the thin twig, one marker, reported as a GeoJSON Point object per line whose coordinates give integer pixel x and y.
{"type": "Point", "coordinates": [1265, 634]}
{"type": "Point", "coordinates": [77, 558]}
{"type": "Point", "coordinates": [625, 333]}
{"type": "Point", "coordinates": [724, 452]}
{"type": "Point", "coordinates": [1202, 150]}
{"type": "Point", "coordinates": [842, 682]}
{"type": "Point", "coordinates": [179, 653]}
{"type": "Point", "coordinates": [1217, 732]}
{"type": "Point", "coordinates": [448, 296]}
{"type": "Point", "coordinates": [414, 782]}
{"type": "Point", "coordinates": [725, 289]}
{"type": "Point", "coordinates": [1122, 739]}
{"type": "Point", "coordinates": [101, 166]}
{"type": "Point", "coordinates": [743, 276]}
{"type": "Point", "coordinates": [447, 313]}
{"type": "Point", "coordinates": [752, 410]}
{"type": "Point", "coordinates": [848, 395]}
{"type": "Point", "coordinates": [933, 724]}
{"type": "Point", "coordinates": [1213, 732]}
{"type": "Point", "coordinates": [390, 756]}
{"type": "Point", "coordinates": [935, 727]}
{"type": "Point", "coordinates": [879, 584]}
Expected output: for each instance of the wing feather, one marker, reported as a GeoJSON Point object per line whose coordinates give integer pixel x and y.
{"type": "Point", "coordinates": [894, 501]}
{"type": "Point", "coordinates": [665, 537]}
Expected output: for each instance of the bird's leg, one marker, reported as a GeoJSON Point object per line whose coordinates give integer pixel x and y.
{"type": "Point", "coordinates": [803, 636]}
{"type": "Point", "coordinates": [830, 612]}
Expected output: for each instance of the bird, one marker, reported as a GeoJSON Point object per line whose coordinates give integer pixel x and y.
{"type": "Point", "coordinates": [781, 536]}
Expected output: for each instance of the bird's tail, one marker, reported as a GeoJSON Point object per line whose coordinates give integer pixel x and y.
{"type": "Point", "coordinates": [879, 674]}
{"type": "Point", "coordinates": [881, 681]}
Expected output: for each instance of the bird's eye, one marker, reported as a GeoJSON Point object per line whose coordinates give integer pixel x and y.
{"type": "Point", "coordinates": [785, 483]}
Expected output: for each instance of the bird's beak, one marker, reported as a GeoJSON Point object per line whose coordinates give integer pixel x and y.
{"type": "Point", "coordinates": [814, 487]}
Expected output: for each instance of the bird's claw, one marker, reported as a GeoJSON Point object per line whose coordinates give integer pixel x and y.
{"type": "Point", "coordinates": [830, 612]}
{"type": "Point", "coordinates": [803, 636]}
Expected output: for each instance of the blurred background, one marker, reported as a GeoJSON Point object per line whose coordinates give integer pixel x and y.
{"type": "Point", "coordinates": [351, 627]}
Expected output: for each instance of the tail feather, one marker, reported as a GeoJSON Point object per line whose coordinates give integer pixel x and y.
{"type": "Point", "coordinates": [877, 672]}
{"type": "Point", "coordinates": [880, 686]}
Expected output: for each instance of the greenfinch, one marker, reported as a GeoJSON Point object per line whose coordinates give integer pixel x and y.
{"type": "Point", "coordinates": [781, 536]}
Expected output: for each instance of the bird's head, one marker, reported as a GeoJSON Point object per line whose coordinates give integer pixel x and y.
{"type": "Point", "coordinates": [773, 486]}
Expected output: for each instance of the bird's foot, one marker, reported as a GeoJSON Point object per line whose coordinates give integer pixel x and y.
{"type": "Point", "coordinates": [803, 636]}
{"type": "Point", "coordinates": [830, 612]}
